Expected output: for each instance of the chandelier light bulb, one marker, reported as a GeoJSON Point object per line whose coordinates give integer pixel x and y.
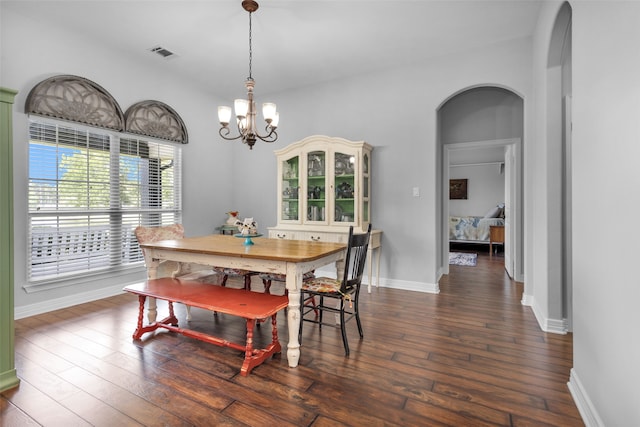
{"type": "Point", "coordinates": [269, 111]}
{"type": "Point", "coordinates": [224, 115]}
{"type": "Point", "coordinates": [241, 106]}
{"type": "Point", "coordinates": [275, 120]}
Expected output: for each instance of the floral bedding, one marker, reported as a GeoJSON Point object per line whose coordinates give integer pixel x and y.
{"type": "Point", "coordinates": [471, 228]}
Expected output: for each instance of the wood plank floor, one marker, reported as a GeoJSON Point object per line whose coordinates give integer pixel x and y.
{"type": "Point", "coordinates": [469, 356]}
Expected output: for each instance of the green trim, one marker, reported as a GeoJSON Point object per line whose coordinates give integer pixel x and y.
{"type": "Point", "coordinates": [8, 375]}
{"type": "Point", "coordinates": [8, 380]}
{"type": "Point", "coordinates": [7, 95]}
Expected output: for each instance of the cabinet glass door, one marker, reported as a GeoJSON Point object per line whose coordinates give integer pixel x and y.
{"type": "Point", "coordinates": [290, 189]}
{"type": "Point", "coordinates": [316, 186]}
{"type": "Point", "coordinates": [344, 184]}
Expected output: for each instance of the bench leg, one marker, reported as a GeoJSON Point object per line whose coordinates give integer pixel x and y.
{"type": "Point", "coordinates": [141, 330]}
{"type": "Point", "coordinates": [248, 347]}
{"type": "Point", "coordinates": [141, 300]}
{"type": "Point", "coordinates": [172, 317]}
{"type": "Point", "coordinates": [253, 358]}
{"type": "Point", "coordinates": [274, 331]}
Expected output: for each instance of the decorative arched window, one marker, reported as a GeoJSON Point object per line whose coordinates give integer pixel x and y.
{"type": "Point", "coordinates": [155, 119]}
{"type": "Point", "coordinates": [75, 99]}
{"type": "Point", "coordinates": [92, 181]}
{"type": "Point", "coordinates": [80, 100]}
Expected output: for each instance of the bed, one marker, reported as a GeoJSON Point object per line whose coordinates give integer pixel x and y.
{"type": "Point", "coordinates": [471, 229]}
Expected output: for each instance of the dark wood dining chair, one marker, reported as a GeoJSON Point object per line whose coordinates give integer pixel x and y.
{"type": "Point", "coordinates": [346, 290]}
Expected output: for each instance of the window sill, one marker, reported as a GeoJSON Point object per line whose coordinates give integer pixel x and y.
{"type": "Point", "coordinates": [137, 272]}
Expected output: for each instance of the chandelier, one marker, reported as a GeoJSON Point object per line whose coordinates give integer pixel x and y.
{"type": "Point", "coordinates": [246, 108]}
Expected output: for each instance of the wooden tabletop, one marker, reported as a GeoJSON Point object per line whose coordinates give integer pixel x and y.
{"type": "Point", "coordinates": [263, 248]}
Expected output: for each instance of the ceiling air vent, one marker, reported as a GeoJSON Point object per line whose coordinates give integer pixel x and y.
{"type": "Point", "coordinates": [165, 53]}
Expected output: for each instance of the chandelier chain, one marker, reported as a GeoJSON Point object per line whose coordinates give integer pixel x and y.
{"type": "Point", "coordinates": [250, 49]}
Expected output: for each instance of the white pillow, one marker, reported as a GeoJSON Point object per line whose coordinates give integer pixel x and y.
{"type": "Point", "coordinates": [493, 213]}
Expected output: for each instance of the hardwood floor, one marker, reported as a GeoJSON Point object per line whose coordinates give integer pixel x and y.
{"type": "Point", "coordinates": [469, 356]}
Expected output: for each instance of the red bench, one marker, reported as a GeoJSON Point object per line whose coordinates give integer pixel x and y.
{"type": "Point", "coordinates": [252, 306]}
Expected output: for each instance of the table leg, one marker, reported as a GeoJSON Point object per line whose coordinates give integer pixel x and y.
{"type": "Point", "coordinates": [152, 310]}
{"type": "Point", "coordinates": [293, 283]}
{"type": "Point", "coordinates": [379, 252]}
{"type": "Point", "coordinates": [152, 307]}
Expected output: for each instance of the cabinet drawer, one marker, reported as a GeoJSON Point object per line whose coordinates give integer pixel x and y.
{"type": "Point", "coordinates": [283, 234]}
{"type": "Point", "coordinates": [317, 236]}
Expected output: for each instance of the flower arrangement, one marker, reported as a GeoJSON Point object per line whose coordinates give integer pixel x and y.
{"type": "Point", "coordinates": [247, 226]}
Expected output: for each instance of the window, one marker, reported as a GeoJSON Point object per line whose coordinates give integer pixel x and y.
{"type": "Point", "coordinates": [88, 190]}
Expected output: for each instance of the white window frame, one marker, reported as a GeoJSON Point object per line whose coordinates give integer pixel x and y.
{"type": "Point", "coordinates": [68, 253]}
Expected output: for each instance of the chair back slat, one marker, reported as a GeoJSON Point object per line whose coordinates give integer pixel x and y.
{"type": "Point", "coordinates": [355, 259]}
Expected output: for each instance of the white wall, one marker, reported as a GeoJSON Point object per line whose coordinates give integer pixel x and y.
{"type": "Point", "coordinates": [481, 114]}
{"type": "Point", "coordinates": [539, 179]}
{"type": "Point", "coordinates": [485, 189]}
{"type": "Point", "coordinates": [606, 149]}
{"type": "Point", "coordinates": [604, 153]}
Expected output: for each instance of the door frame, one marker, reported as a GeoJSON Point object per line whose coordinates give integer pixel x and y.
{"type": "Point", "coordinates": [515, 188]}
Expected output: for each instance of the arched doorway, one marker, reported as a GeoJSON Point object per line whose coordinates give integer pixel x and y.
{"type": "Point", "coordinates": [486, 123]}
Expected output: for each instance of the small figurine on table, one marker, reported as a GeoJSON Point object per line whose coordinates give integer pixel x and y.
{"type": "Point", "coordinates": [247, 226]}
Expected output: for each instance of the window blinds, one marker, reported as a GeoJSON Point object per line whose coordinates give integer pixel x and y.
{"type": "Point", "coordinates": [87, 193]}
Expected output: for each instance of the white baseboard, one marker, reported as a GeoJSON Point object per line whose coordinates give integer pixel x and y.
{"type": "Point", "coordinates": [405, 285]}
{"type": "Point", "coordinates": [587, 411]}
{"type": "Point", "coordinates": [527, 300]}
{"type": "Point", "coordinates": [554, 326]}
{"type": "Point", "coordinates": [67, 301]}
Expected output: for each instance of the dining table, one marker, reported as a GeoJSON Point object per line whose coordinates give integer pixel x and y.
{"type": "Point", "coordinates": [279, 256]}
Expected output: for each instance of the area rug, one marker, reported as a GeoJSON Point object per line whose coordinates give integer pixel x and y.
{"type": "Point", "coordinates": [461, 258]}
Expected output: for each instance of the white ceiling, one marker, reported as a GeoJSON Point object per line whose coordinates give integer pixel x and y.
{"type": "Point", "coordinates": [295, 42]}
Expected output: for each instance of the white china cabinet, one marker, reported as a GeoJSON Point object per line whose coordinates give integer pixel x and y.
{"type": "Point", "coordinates": [324, 186]}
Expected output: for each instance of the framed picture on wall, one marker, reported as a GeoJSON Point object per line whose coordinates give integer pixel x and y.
{"type": "Point", "coordinates": [458, 189]}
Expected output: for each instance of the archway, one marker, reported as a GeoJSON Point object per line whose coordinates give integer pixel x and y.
{"type": "Point", "coordinates": [558, 163]}
{"type": "Point", "coordinates": [485, 121]}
